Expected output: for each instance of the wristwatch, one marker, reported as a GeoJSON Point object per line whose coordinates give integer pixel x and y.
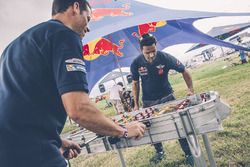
{"type": "Point", "coordinates": [125, 133]}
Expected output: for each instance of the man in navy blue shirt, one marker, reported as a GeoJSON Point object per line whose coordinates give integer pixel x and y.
{"type": "Point", "coordinates": [42, 80]}
{"type": "Point", "coordinates": [152, 68]}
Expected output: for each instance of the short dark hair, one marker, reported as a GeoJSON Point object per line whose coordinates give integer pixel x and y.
{"type": "Point", "coordinates": [147, 40]}
{"type": "Point", "coordinates": [60, 6]}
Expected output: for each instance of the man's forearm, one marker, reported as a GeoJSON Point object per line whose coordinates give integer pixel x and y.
{"type": "Point", "coordinates": [95, 121]}
{"type": "Point", "coordinates": [83, 112]}
{"type": "Point", "coordinates": [136, 92]}
{"type": "Point", "coordinates": [188, 79]}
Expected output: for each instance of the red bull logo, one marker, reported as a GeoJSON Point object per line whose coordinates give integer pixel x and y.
{"type": "Point", "coordinates": [148, 27]}
{"type": "Point", "coordinates": [101, 46]}
{"type": "Point", "coordinates": [100, 13]}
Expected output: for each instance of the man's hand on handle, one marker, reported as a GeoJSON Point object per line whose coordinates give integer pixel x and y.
{"type": "Point", "coordinates": [136, 130]}
{"type": "Point", "coordinates": [70, 149]}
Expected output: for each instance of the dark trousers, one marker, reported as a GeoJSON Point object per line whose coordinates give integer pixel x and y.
{"type": "Point", "coordinates": [158, 146]}
{"type": "Point", "coordinates": [243, 61]}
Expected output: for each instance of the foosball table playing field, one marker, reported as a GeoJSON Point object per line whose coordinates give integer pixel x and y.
{"type": "Point", "coordinates": [188, 117]}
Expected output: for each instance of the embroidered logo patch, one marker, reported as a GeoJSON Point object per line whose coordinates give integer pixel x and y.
{"type": "Point", "coordinates": [143, 71]}
{"type": "Point", "coordinates": [160, 69]}
{"type": "Point", "coordinates": [75, 67]}
{"type": "Point", "coordinates": [160, 66]}
{"type": "Point", "coordinates": [75, 61]}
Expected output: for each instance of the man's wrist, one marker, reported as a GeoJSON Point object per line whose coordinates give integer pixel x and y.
{"type": "Point", "coordinates": [125, 131]}
{"type": "Point", "coordinates": [63, 141]}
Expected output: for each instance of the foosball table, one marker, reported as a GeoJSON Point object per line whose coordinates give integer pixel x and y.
{"type": "Point", "coordinates": [188, 117]}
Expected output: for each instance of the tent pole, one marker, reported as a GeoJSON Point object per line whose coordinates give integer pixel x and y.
{"type": "Point", "coordinates": [119, 67]}
{"type": "Point", "coordinates": [118, 64]}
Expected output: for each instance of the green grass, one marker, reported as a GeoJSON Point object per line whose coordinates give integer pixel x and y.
{"type": "Point", "coordinates": [68, 127]}
{"type": "Point", "coordinates": [103, 106]}
{"type": "Point", "coordinates": [229, 146]}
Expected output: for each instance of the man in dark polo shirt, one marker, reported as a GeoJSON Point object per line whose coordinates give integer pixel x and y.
{"type": "Point", "coordinates": [152, 68]}
{"type": "Point", "coordinates": [42, 80]}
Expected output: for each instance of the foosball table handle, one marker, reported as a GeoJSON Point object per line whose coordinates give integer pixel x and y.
{"type": "Point", "coordinates": [87, 142]}
{"type": "Point", "coordinates": [147, 123]}
{"type": "Point", "coordinates": [114, 140]}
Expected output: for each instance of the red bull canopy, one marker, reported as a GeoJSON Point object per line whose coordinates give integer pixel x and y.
{"type": "Point", "coordinates": [120, 48]}
{"type": "Point", "coordinates": [113, 15]}
{"type": "Point", "coordinates": [117, 25]}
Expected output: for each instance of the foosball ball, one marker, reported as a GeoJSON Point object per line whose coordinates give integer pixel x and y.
{"type": "Point", "coordinates": [188, 117]}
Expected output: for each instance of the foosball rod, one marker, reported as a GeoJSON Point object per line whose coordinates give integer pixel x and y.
{"type": "Point", "coordinates": [90, 140]}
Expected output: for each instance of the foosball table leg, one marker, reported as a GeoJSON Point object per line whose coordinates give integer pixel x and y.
{"type": "Point", "coordinates": [192, 139]}
{"type": "Point", "coordinates": [106, 144]}
{"type": "Point", "coordinates": [120, 155]}
{"type": "Point", "coordinates": [113, 143]}
{"type": "Point", "coordinates": [209, 150]}
{"type": "Point", "coordinates": [88, 148]}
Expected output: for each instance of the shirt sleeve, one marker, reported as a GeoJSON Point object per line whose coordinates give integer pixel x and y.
{"type": "Point", "coordinates": [174, 63]}
{"type": "Point", "coordinates": [134, 71]}
{"type": "Point", "coordinates": [68, 64]}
